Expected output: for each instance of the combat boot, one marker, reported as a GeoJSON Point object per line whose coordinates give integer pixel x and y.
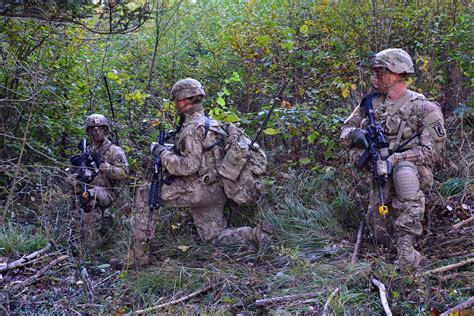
{"type": "Point", "coordinates": [261, 235]}
{"type": "Point", "coordinates": [408, 257]}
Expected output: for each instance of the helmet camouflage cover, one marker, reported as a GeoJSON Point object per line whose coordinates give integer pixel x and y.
{"type": "Point", "coordinates": [395, 59]}
{"type": "Point", "coordinates": [94, 120]}
{"type": "Point", "coordinates": [187, 88]}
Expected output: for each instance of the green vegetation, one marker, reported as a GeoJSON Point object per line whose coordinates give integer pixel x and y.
{"type": "Point", "coordinates": [51, 77]}
{"type": "Point", "coordinates": [18, 240]}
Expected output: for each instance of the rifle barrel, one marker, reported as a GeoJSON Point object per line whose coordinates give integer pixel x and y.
{"type": "Point", "coordinates": [267, 118]}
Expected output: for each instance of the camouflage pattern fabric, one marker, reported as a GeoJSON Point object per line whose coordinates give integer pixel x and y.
{"type": "Point", "coordinates": [395, 59]}
{"type": "Point", "coordinates": [401, 119]}
{"type": "Point", "coordinates": [107, 186]}
{"type": "Point", "coordinates": [195, 185]}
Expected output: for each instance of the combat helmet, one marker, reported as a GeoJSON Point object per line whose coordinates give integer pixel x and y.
{"type": "Point", "coordinates": [94, 120]}
{"type": "Point", "coordinates": [395, 59]}
{"type": "Point", "coordinates": [187, 88]}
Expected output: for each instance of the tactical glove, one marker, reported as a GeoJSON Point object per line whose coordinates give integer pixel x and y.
{"type": "Point", "coordinates": [75, 160]}
{"type": "Point", "coordinates": [157, 149]}
{"type": "Point", "coordinates": [358, 138]}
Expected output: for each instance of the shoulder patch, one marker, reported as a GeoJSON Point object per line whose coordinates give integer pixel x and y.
{"type": "Point", "coordinates": [439, 129]}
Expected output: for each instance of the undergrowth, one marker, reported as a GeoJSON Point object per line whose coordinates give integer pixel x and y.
{"type": "Point", "coordinates": [313, 240]}
{"type": "Point", "coordinates": [20, 240]}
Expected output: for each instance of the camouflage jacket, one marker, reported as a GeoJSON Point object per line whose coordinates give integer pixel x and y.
{"type": "Point", "coordinates": [401, 119]}
{"type": "Point", "coordinates": [192, 157]}
{"type": "Point", "coordinates": [114, 165]}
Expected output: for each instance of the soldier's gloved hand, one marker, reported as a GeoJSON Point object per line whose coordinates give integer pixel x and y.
{"type": "Point", "coordinates": [96, 160]}
{"type": "Point", "coordinates": [157, 149]}
{"type": "Point", "coordinates": [105, 166]}
{"type": "Point", "coordinates": [358, 137]}
{"type": "Point", "coordinates": [384, 167]}
{"type": "Point", "coordinates": [75, 160]}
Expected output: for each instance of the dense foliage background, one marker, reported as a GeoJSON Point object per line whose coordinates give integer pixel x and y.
{"type": "Point", "coordinates": [52, 76]}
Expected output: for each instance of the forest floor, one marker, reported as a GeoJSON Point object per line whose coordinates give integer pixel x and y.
{"type": "Point", "coordinates": [307, 266]}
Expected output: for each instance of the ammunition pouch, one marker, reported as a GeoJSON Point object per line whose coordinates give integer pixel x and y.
{"type": "Point", "coordinates": [234, 161]}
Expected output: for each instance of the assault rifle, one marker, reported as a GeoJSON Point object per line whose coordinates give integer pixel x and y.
{"type": "Point", "coordinates": [86, 171]}
{"type": "Point", "coordinates": [376, 143]}
{"type": "Point", "coordinates": [158, 179]}
{"type": "Point", "coordinates": [156, 183]}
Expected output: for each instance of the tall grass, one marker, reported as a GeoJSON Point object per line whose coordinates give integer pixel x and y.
{"type": "Point", "coordinates": [20, 240]}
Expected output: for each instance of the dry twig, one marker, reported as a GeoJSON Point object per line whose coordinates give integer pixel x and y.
{"type": "Point", "coordinates": [449, 267]}
{"type": "Point", "coordinates": [358, 242]}
{"type": "Point", "coordinates": [326, 306]}
{"type": "Point", "coordinates": [174, 302]}
{"type": "Point", "coordinates": [460, 307]}
{"type": "Point", "coordinates": [88, 284]}
{"type": "Point", "coordinates": [462, 223]}
{"type": "Point", "coordinates": [38, 274]}
{"type": "Point", "coordinates": [24, 260]}
{"type": "Point", "coordinates": [383, 296]}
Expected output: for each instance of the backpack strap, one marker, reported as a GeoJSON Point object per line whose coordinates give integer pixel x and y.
{"type": "Point", "coordinates": [207, 125]}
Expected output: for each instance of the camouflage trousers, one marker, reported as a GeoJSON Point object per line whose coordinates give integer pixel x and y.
{"type": "Point", "coordinates": [92, 222]}
{"type": "Point", "coordinates": [206, 203]}
{"type": "Point", "coordinates": [406, 204]}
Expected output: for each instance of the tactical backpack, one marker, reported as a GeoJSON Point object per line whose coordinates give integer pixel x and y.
{"type": "Point", "coordinates": [240, 168]}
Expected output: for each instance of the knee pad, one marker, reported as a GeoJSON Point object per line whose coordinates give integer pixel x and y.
{"type": "Point", "coordinates": [406, 180]}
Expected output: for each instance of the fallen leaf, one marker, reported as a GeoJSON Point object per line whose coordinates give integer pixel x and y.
{"type": "Point", "coordinates": [183, 248]}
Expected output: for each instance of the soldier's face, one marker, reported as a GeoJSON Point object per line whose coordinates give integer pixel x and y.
{"type": "Point", "coordinates": [383, 78]}
{"type": "Point", "coordinates": [182, 106]}
{"type": "Point", "coordinates": [97, 133]}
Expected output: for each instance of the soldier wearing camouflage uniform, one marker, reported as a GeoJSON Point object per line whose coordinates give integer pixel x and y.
{"type": "Point", "coordinates": [403, 115]}
{"type": "Point", "coordinates": [195, 184]}
{"type": "Point", "coordinates": [105, 188]}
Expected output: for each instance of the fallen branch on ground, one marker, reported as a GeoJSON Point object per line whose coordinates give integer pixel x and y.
{"type": "Point", "coordinates": [383, 296]}
{"type": "Point", "coordinates": [38, 274]}
{"type": "Point", "coordinates": [462, 223]}
{"type": "Point", "coordinates": [87, 284]}
{"type": "Point", "coordinates": [457, 254]}
{"type": "Point", "coordinates": [24, 260]}
{"type": "Point", "coordinates": [460, 307]}
{"type": "Point", "coordinates": [179, 300]}
{"type": "Point", "coordinates": [358, 242]}
{"type": "Point", "coordinates": [282, 299]}
{"type": "Point", "coordinates": [326, 306]}
{"type": "Point", "coordinates": [449, 267]}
